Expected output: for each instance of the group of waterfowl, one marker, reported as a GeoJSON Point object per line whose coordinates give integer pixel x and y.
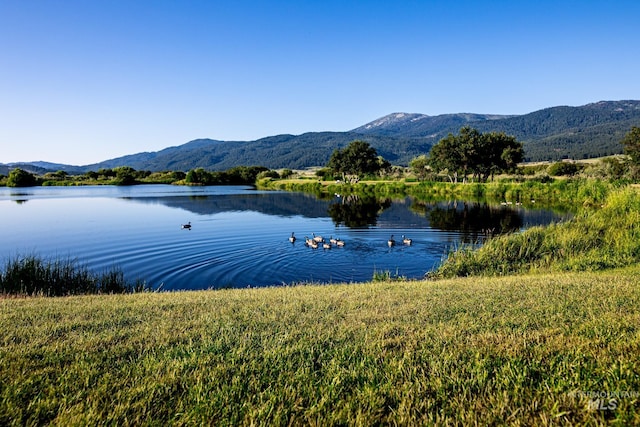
{"type": "Point", "coordinates": [405, 241]}
{"type": "Point", "coordinates": [315, 241]}
{"type": "Point", "coordinates": [516, 203]}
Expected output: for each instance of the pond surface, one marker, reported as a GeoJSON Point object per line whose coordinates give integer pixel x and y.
{"type": "Point", "coordinates": [239, 237]}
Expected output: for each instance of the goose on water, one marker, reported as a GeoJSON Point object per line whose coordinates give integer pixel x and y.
{"type": "Point", "coordinates": [406, 240]}
{"type": "Point", "coordinates": [318, 239]}
{"type": "Point", "coordinates": [391, 241]}
{"type": "Point", "coordinates": [339, 242]}
{"type": "Point", "coordinates": [326, 245]}
{"type": "Point", "coordinates": [292, 238]}
{"type": "Point", "coordinates": [186, 226]}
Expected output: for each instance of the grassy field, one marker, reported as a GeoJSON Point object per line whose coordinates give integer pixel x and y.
{"type": "Point", "coordinates": [522, 350]}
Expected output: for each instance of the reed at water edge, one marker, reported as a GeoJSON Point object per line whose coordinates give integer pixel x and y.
{"type": "Point", "coordinates": [594, 239]}
{"type": "Point", "coordinates": [34, 275]}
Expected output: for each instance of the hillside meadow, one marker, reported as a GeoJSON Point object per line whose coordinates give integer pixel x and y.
{"type": "Point", "coordinates": [523, 350]}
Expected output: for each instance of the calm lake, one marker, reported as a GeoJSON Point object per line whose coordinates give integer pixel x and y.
{"type": "Point", "coordinates": [239, 237]}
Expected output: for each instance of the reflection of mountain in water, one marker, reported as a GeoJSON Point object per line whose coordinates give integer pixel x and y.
{"type": "Point", "coordinates": [474, 220]}
{"type": "Point", "coordinates": [276, 204]}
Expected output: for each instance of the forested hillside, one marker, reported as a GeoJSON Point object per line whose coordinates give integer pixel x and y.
{"type": "Point", "coordinates": [592, 130]}
{"type": "Point", "coordinates": [554, 133]}
{"type": "Point", "coordinates": [281, 151]}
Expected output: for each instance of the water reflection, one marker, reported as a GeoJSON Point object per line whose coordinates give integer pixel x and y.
{"type": "Point", "coordinates": [276, 204]}
{"type": "Point", "coordinates": [355, 211]}
{"type": "Point", "coordinates": [240, 236]}
{"type": "Point", "coordinates": [473, 220]}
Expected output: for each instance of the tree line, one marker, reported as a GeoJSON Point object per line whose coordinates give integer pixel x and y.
{"type": "Point", "coordinates": [458, 156]}
{"type": "Point", "coordinates": [470, 153]}
{"type": "Point", "coordinates": [480, 156]}
{"type": "Point", "coordinates": [124, 175]}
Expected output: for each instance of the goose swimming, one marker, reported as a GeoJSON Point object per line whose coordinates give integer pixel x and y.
{"type": "Point", "coordinates": [186, 226]}
{"type": "Point", "coordinates": [406, 240]}
{"type": "Point", "coordinates": [292, 238]}
{"type": "Point", "coordinates": [391, 241]}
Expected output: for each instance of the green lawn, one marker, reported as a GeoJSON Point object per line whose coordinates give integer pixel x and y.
{"type": "Point", "coordinates": [518, 350]}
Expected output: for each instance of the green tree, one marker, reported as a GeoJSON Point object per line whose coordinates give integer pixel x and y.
{"type": "Point", "coordinates": [420, 166]}
{"type": "Point", "coordinates": [446, 156]}
{"type": "Point", "coordinates": [198, 176]}
{"type": "Point", "coordinates": [21, 178]}
{"type": "Point", "coordinates": [107, 173]}
{"type": "Point", "coordinates": [384, 166]}
{"type": "Point", "coordinates": [125, 175]}
{"type": "Point", "coordinates": [631, 143]}
{"type": "Point", "coordinates": [472, 152]}
{"type": "Point", "coordinates": [92, 175]}
{"type": "Point", "coordinates": [499, 153]}
{"type": "Point", "coordinates": [562, 169]}
{"type": "Point", "coordinates": [244, 174]}
{"type": "Point", "coordinates": [268, 174]}
{"type": "Point", "coordinates": [178, 175]}
{"type": "Point", "coordinates": [358, 158]}
{"type": "Point", "coordinates": [615, 169]}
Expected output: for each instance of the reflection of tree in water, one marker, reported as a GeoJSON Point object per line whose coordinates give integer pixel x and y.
{"type": "Point", "coordinates": [475, 221]}
{"type": "Point", "coordinates": [357, 211]}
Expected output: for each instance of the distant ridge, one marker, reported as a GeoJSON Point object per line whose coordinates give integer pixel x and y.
{"type": "Point", "coordinates": [554, 133]}
{"type": "Point", "coordinates": [421, 125]}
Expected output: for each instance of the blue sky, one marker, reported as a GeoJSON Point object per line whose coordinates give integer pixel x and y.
{"type": "Point", "coordinates": [85, 81]}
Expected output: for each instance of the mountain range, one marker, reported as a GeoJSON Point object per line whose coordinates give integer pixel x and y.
{"type": "Point", "coordinates": [554, 133]}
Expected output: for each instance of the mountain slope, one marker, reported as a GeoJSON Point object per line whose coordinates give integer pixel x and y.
{"type": "Point", "coordinates": [591, 130]}
{"type": "Point", "coordinates": [420, 125]}
{"type": "Point", "coordinates": [554, 133]}
{"type": "Point", "coordinates": [290, 151]}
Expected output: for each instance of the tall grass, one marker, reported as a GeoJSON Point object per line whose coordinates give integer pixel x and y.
{"type": "Point", "coordinates": [593, 240]}
{"type": "Point", "coordinates": [565, 193]}
{"type": "Point", "coordinates": [561, 192]}
{"type": "Point", "coordinates": [32, 275]}
{"type": "Point", "coordinates": [522, 350]}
